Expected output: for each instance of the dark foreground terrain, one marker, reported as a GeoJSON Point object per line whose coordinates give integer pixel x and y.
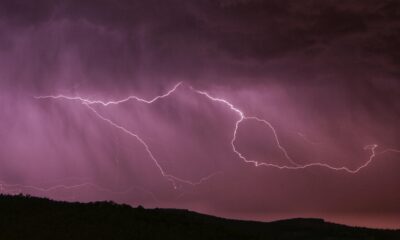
{"type": "Point", "coordinates": [23, 217]}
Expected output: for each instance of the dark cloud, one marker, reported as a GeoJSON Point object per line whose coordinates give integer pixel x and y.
{"type": "Point", "coordinates": [184, 38]}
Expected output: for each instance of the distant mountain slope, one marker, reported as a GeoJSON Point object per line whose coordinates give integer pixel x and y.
{"type": "Point", "coordinates": [23, 217]}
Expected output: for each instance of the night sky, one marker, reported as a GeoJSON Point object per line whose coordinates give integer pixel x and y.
{"type": "Point", "coordinates": [265, 110]}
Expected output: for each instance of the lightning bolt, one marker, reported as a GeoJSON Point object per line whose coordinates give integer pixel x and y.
{"type": "Point", "coordinates": [171, 178]}
{"type": "Point", "coordinates": [241, 118]}
{"type": "Point", "coordinates": [295, 166]}
{"type": "Point", "coordinates": [87, 102]}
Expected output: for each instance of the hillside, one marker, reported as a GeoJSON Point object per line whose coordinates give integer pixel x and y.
{"type": "Point", "coordinates": [24, 217]}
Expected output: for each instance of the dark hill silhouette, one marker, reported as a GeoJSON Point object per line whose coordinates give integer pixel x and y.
{"type": "Point", "coordinates": [25, 217]}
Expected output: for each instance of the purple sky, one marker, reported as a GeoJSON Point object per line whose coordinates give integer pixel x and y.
{"type": "Point", "coordinates": [324, 74]}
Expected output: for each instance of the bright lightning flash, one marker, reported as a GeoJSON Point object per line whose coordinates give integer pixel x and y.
{"type": "Point", "coordinates": [242, 117]}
